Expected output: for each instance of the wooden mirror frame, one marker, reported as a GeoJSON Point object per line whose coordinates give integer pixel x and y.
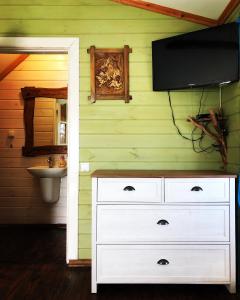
{"type": "Point", "coordinates": [29, 94]}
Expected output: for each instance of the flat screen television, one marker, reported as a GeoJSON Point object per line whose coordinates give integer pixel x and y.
{"type": "Point", "coordinates": [196, 59]}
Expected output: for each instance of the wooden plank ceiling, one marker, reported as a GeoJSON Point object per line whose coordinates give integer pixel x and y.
{"type": "Point", "coordinates": [9, 62]}
{"type": "Point", "coordinates": [206, 12]}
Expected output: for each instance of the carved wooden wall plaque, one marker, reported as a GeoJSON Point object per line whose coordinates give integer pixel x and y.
{"type": "Point", "coordinates": [109, 74]}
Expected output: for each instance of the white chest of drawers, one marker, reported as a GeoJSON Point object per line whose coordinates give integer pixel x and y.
{"type": "Point", "coordinates": [163, 227]}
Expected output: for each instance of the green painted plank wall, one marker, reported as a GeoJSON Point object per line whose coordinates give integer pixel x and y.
{"type": "Point", "coordinates": [231, 107]}
{"type": "Point", "coordinates": [115, 135]}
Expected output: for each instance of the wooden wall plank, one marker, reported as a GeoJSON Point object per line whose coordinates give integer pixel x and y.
{"type": "Point", "coordinates": [11, 123]}
{"type": "Point", "coordinates": [76, 12]}
{"type": "Point", "coordinates": [11, 114]}
{"type": "Point", "coordinates": [135, 113]}
{"type": "Point", "coordinates": [78, 27]}
{"type": "Point", "coordinates": [39, 3]}
{"type": "Point", "coordinates": [84, 253]}
{"type": "Point", "coordinates": [143, 155]}
{"type": "Point", "coordinates": [117, 128]}
{"type": "Point", "coordinates": [46, 65]}
{"type": "Point", "coordinates": [165, 141]}
{"type": "Point", "coordinates": [17, 85]}
{"type": "Point", "coordinates": [16, 143]}
{"type": "Point", "coordinates": [14, 104]}
{"type": "Point", "coordinates": [6, 94]}
{"type": "Point", "coordinates": [18, 182]}
{"type": "Point", "coordinates": [168, 165]}
{"type": "Point", "coordinates": [85, 226]}
{"type": "Point", "coordinates": [37, 75]}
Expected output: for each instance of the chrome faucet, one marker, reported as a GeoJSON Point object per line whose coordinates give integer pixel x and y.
{"type": "Point", "coordinates": [50, 161]}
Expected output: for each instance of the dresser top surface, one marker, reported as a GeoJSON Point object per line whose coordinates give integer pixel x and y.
{"type": "Point", "coordinates": [161, 174]}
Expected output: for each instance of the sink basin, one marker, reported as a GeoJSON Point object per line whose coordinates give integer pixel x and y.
{"type": "Point", "coordinates": [50, 181]}
{"type": "Point", "coordinates": [45, 172]}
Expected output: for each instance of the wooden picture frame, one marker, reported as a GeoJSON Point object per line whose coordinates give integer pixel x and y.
{"type": "Point", "coordinates": [29, 94]}
{"type": "Point", "coordinates": [109, 73]}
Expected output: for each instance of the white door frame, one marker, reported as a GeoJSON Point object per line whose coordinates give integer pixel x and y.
{"type": "Point", "coordinates": [71, 47]}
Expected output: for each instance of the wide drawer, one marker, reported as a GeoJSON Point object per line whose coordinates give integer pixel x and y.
{"type": "Point", "coordinates": [197, 190]}
{"type": "Point", "coordinates": [158, 223]}
{"type": "Point", "coordinates": [130, 189]}
{"type": "Point", "coordinates": [163, 264]}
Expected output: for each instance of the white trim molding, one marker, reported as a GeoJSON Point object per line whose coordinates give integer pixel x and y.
{"type": "Point", "coordinates": [71, 47]}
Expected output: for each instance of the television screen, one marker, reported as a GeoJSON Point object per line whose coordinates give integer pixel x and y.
{"type": "Point", "coordinates": [205, 57]}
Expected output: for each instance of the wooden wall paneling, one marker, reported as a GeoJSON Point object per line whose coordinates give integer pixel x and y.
{"type": "Point", "coordinates": [44, 65]}
{"type": "Point", "coordinates": [13, 152]}
{"type": "Point", "coordinates": [10, 105]}
{"type": "Point", "coordinates": [16, 143]}
{"type": "Point", "coordinates": [13, 113]}
{"type": "Point", "coordinates": [141, 154]}
{"type": "Point", "coordinates": [81, 27]}
{"type": "Point", "coordinates": [20, 200]}
{"type": "Point", "coordinates": [55, 75]}
{"type": "Point", "coordinates": [17, 85]}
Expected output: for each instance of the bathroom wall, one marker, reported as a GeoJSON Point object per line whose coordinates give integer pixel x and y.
{"type": "Point", "coordinates": [115, 135]}
{"type": "Point", "coordinates": [20, 201]}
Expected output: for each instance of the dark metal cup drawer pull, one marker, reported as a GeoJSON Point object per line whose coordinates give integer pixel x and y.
{"type": "Point", "coordinates": [162, 222]}
{"type": "Point", "coordinates": [163, 262]}
{"type": "Point", "coordinates": [129, 188]}
{"type": "Point", "coordinates": [196, 189]}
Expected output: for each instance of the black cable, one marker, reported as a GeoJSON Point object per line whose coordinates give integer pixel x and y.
{"type": "Point", "coordinates": [193, 143]}
{"type": "Point", "coordinates": [200, 102]}
{"type": "Point", "coordinates": [208, 149]}
{"type": "Point", "coordinates": [174, 121]}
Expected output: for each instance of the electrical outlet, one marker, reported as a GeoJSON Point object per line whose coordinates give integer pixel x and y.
{"type": "Point", "coordinates": [84, 167]}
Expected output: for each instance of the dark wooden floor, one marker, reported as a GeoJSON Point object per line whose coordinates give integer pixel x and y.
{"type": "Point", "coordinates": [32, 267]}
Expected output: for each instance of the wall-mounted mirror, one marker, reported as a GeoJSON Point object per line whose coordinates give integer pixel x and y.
{"type": "Point", "coordinates": [45, 120]}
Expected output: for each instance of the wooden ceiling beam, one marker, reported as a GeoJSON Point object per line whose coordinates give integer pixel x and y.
{"type": "Point", "coordinates": [12, 66]}
{"type": "Point", "coordinates": [232, 5]}
{"type": "Point", "coordinates": [169, 12]}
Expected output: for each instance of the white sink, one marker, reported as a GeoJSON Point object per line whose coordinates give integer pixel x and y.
{"type": "Point", "coordinates": [50, 181]}
{"type": "Point", "coordinates": [46, 172]}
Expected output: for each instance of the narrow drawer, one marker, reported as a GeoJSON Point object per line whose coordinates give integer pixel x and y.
{"type": "Point", "coordinates": [130, 190]}
{"type": "Point", "coordinates": [163, 264]}
{"type": "Point", "coordinates": [197, 190]}
{"type": "Point", "coordinates": [156, 223]}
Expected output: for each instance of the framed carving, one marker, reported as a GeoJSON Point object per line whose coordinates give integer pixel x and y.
{"type": "Point", "coordinates": [109, 74]}
{"type": "Point", "coordinates": [29, 95]}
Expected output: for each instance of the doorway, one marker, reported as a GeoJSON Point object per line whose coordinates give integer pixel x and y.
{"type": "Point", "coordinates": [69, 46]}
